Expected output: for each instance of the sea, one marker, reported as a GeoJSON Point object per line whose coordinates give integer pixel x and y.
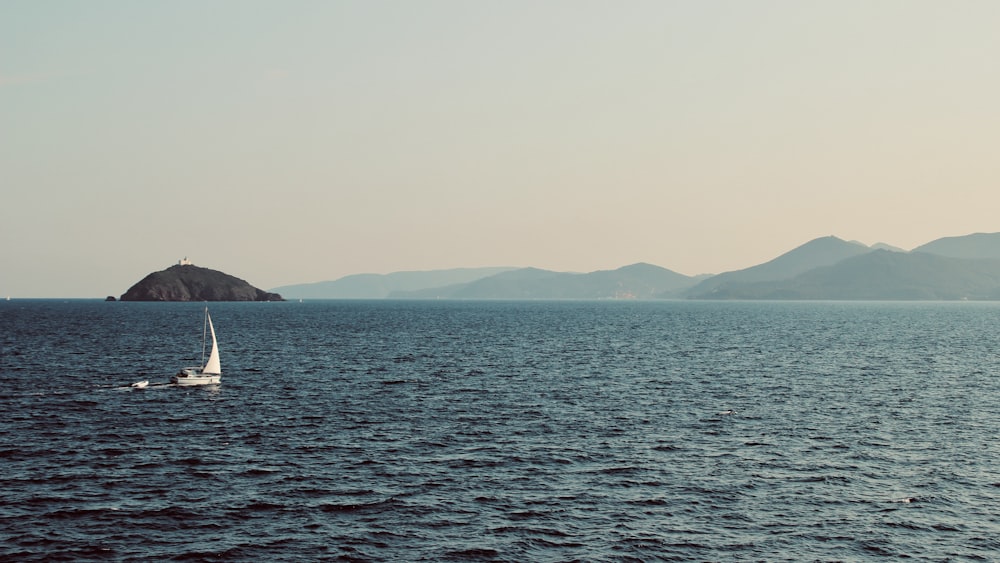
{"type": "Point", "coordinates": [517, 431]}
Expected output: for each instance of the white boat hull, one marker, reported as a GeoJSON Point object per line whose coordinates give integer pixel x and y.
{"type": "Point", "coordinates": [192, 377]}
{"type": "Point", "coordinates": [197, 380]}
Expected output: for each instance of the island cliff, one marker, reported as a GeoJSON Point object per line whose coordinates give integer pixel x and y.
{"type": "Point", "coordinates": [187, 282]}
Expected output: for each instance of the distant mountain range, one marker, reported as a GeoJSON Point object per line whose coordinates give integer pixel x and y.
{"type": "Point", "coordinates": [380, 286]}
{"type": "Point", "coordinates": [638, 281]}
{"type": "Point", "coordinates": [952, 268]}
{"type": "Point", "coordinates": [817, 253]}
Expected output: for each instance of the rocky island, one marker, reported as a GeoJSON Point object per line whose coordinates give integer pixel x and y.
{"type": "Point", "coordinates": [186, 282]}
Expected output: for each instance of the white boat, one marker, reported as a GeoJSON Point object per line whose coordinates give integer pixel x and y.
{"type": "Point", "coordinates": [140, 384]}
{"type": "Point", "coordinates": [211, 371]}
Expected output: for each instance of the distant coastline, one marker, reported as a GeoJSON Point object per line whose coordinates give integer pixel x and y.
{"type": "Point", "coordinates": [827, 268]}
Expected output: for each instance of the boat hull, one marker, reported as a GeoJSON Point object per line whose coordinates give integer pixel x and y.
{"type": "Point", "coordinates": [197, 380]}
{"type": "Point", "coordinates": [190, 377]}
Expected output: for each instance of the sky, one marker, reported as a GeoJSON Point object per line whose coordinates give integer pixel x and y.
{"type": "Point", "coordinates": [301, 141]}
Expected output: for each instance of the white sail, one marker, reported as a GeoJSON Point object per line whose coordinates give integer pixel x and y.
{"type": "Point", "coordinates": [213, 366]}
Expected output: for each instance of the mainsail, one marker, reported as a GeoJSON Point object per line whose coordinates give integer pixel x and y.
{"type": "Point", "coordinates": [213, 366]}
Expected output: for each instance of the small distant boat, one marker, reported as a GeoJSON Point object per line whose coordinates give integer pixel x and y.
{"type": "Point", "coordinates": [211, 371]}
{"type": "Point", "coordinates": [140, 384]}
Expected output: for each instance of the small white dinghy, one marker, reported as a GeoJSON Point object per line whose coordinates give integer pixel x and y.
{"type": "Point", "coordinates": [140, 384]}
{"type": "Point", "coordinates": [211, 371]}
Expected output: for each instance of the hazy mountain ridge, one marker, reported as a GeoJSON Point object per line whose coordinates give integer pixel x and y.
{"type": "Point", "coordinates": [963, 267]}
{"type": "Point", "coordinates": [824, 251]}
{"type": "Point", "coordinates": [637, 281]}
{"type": "Point", "coordinates": [379, 286]}
{"type": "Point", "coordinates": [882, 275]}
{"type": "Point", "coordinates": [977, 245]}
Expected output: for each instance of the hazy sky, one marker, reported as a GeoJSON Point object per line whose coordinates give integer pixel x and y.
{"type": "Point", "coordinates": [298, 141]}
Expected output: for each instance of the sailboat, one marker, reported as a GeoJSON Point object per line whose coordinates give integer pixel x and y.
{"type": "Point", "coordinates": [211, 371]}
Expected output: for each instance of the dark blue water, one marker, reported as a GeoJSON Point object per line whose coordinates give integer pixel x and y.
{"type": "Point", "coordinates": [502, 431]}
